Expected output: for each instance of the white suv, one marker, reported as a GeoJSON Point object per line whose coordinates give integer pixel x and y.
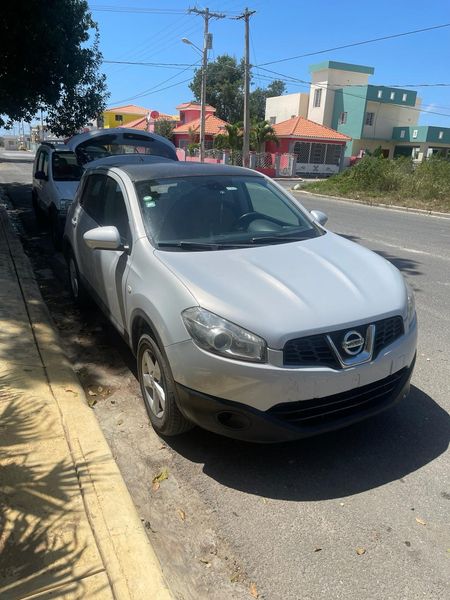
{"type": "Point", "coordinates": [58, 167]}
{"type": "Point", "coordinates": [56, 174]}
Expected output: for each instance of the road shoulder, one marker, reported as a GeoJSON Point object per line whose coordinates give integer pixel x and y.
{"type": "Point", "coordinates": [92, 513]}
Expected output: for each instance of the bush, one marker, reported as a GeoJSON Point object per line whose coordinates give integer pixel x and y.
{"type": "Point", "coordinates": [394, 180]}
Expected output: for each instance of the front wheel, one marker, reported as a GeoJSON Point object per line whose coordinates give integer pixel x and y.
{"type": "Point", "coordinates": [77, 289]}
{"type": "Point", "coordinates": [158, 389]}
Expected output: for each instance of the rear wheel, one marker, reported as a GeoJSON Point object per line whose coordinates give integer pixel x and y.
{"type": "Point", "coordinates": [158, 389]}
{"type": "Point", "coordinates": [55, 230]}
{"type": "Point", "coordinates": [77, 288]}
{"type": "Point", "coordinates": [36, 208]}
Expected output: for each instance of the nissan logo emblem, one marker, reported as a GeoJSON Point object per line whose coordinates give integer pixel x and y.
{"type": "Point", "coordinates": [353, 343]}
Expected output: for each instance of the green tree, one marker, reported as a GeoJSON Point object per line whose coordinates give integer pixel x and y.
{"type": "Point", "coordinates": [261, 133]}
{"type": "Point", "coordinates": [165, 128]}
{"type": "Point", "coordinates": [50, 61]}
{"type": "Point", "coordinates": [224, 85]}
{"type": "Point", "coordinates": [259, 96]}
{"type": "Point", "coordinates": [232, 139]}
{"type": "Point", "coordinates": [225, 90]}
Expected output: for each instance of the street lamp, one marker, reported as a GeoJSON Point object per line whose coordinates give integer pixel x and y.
{"type": "Point", "coordinates": [204, 54]}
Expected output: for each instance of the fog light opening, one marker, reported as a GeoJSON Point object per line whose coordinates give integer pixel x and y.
{"type": "Point", "coordinates": [233, 420]}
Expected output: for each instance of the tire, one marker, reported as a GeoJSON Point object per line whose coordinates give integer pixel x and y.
{"type": "Point", "coordinates": [37, 209]}
{"type": "Point", "coordinates": [77, 290]}
{"type": "Point", "coordinates": [55, 230]}
{"type": "Point", "coordinates": [158, 389]}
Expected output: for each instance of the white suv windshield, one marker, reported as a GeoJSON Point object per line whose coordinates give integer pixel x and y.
{"type": "Point", "coordinates": [65, 167]}
{"type": "Point", "coordinates": [215, 212]}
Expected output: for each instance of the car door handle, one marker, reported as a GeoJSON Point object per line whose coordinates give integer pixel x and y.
{"type": "Point", "coordinates": [74, 221]}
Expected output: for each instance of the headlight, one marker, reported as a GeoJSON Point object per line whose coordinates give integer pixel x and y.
{"type": "Point", "coordinates": [217, 335]}
{"type": "Point", "coordinates": [411, 305]}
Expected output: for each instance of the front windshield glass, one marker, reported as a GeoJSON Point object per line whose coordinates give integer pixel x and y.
{"type": "Point", "coordinates": [65, 167]}
{"type": "Point", "coordinates": [218, 212]}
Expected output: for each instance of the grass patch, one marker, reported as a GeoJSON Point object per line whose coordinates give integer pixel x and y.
{"type": "Point", "coordinates": [375, 179]}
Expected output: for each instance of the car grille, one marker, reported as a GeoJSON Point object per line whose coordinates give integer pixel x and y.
{"type": "Point", "coordinates": [345, 404]}
{"type": "Point", "coordinates": [314, 350]}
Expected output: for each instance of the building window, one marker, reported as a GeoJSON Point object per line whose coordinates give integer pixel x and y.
{"type": "Point", "coordinates": [317, 97]}
{"type": "Point", "coordinates": [318, 154]}
{"type": "Point", "coordinates": [402, 133]}
{"type": "Point", "coordinates": [303, 151]}
{"type": "Point", "coordinates": [369, 118]}
{"type": "Point", "coordinates": [342, 118]}
{"type": "Point", "coordinates": [272, 120]}
{"type": "Point", "coordinates": [441, 135]}
{"type": "Point", "coordinates": [118, 118]}
{"type": "Point", "coordinates": [415, 132]}
{"type": "Point", "coordinates": [333, 154]}
{"type": "Point", "coordinates": [392, 96]}
{"type": "Point", "coordinates": [405, 97]}
{"type": "Point", "coordinates": [380, 94]}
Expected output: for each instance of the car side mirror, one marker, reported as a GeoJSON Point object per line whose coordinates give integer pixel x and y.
{"type": "Point", "coordinates": [104, 238]}
{"type": "Point", "coordinates": [40, 175]}
{"type": "Point", "coordinates": [319, 216]}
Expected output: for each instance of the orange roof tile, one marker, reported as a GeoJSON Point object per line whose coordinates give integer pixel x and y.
{"type": "Point", "coordinates": [304, 128]}
{"type": "Point", "coordinates": [213, 126]}
{"type": "Point", "coordinates": [141, 122]}
{"type": "Point", "coordinates": [129, 109]}
{"type": "Point", "coordinates": [194, 106]}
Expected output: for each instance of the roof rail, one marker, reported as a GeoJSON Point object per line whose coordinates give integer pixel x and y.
{"type": "Point", "coordinates": [49, 144]}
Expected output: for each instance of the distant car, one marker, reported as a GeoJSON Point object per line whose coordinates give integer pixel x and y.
{"type": "Point", "coordinates": [58, 167]}
{"type": "Point", "coordinates": [245, 314]}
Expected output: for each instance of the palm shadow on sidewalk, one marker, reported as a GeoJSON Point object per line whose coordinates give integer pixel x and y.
{"type": "Point", "coordinates": [39, 544]}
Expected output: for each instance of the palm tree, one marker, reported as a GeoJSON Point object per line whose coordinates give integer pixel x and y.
{"type": "Point", "coordinates": [261, 133]}
{"type": "Point", "coordinates": [231, 140]}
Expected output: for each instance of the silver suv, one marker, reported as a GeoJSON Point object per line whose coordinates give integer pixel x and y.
{"type": "Point", "coordinates": [246, 316]}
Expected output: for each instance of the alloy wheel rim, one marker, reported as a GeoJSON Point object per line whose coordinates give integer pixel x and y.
{"type": "Point", "coordinates": [153, 382]}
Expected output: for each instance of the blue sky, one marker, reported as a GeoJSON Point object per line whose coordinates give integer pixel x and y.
{"type": "Point", "coordinates": [278, 30]}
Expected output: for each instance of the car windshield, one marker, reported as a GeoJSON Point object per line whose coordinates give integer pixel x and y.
{"type": "Point", "coordinates": [65, 167]}
{"type": "Point", "coordinates": [218, 212]}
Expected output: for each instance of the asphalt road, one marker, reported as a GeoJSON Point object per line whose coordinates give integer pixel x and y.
{"type": "Point", "coordinates": [289, 517]}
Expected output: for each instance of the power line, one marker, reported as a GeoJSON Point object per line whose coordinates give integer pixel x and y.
{"type": "Point", "coordinates": [154, 89]}
{"type": "Point", "coordinates": [146, 64]}
{"type": "Point", "coordinates": [370, 41]}
{"type": "Point", "coordinates": [138, 10]}
{"type": "Point", "coordinates": [149, 93]}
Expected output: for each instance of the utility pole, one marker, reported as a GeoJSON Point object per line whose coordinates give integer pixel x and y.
{"type": "Point", "coordinates": [207, 15]}
{"type": "Point", "coordinates": [246, 141]}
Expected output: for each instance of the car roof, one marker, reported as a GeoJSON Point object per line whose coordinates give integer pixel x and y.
{"type": "Point", "coordinates": [165, 169]}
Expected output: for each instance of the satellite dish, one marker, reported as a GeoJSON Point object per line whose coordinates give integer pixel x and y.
{"type": "Point", "coordinates": [154, 114]}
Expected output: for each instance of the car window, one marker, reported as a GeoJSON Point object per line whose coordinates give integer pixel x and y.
{"type": "Point", "coordinates": [44, 165]}
{"type": "Point", "coordinates": [65, 167]}
{"type": "Point", "coordinates": [111, 144]}
{"type": "Point", "coordinates": [114, 208]}
{"type": "Point", "coordinates": [262, 200]}
{"type": "Point", "coordinates": [219, 209]}
{"type": "Point", "coordinates": [92, 197]}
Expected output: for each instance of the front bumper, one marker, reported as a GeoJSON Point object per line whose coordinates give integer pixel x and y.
{"type": "Point", "coordinates": [293, 420]}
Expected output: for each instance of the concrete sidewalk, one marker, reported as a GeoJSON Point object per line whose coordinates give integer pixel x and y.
{"type": "Point", "coordinates": [68, 527]}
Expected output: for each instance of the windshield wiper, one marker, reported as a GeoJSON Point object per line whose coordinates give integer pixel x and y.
{"type": "Point", "coordinates": [269, 239]}
{"type": "Point", "coordinates": [186, 245]}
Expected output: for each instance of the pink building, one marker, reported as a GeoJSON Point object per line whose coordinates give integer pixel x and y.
{"type": "Point", "coordinates": [188, 130]}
